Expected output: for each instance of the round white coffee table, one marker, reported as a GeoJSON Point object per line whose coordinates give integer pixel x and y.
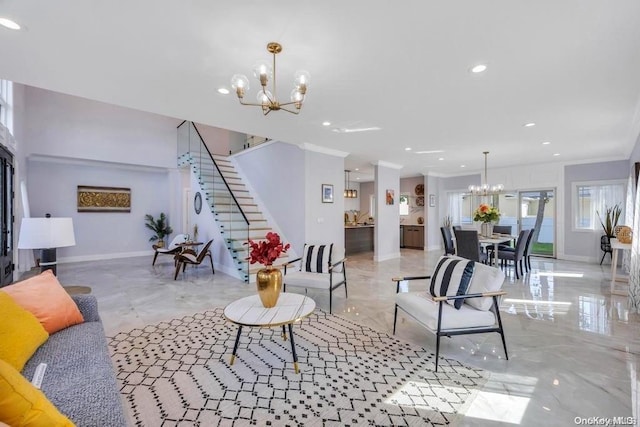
{"type": "Point", "coordinates": [249, 311]}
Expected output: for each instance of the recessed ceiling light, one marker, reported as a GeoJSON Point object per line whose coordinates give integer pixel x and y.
{"type": "Point", "coordinates": [546, 143]}
{"type": "Point", "coordinates": [429, 152]}
{"type": "Point", "coordinates": [223, 90]}
{"type": "Point", "coordinates": [441, 158]}
{"type": "Point", "coordinates": [8, 23]}
{"type": "Point", "coordinates": [352, 130]}
{"type": "Point", "coordinates": [528, 125]}
{"type": "Point", "coordinates": [479, 68]}
{"type": "Point", "coordinates": [463, 166]}
{"type": "Point", "coordinates": [357, 169]}
{"type": "Point", "coordinates": [325, 123]}
{"type": "Point", "coordinates": [357, 178]}
{"type": "Point", "coordinates": [407, 149]}
{"type": "Point", "coordinates": [556, 154]}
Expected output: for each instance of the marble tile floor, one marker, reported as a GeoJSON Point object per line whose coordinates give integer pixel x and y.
{"type": "Point", "coordinates": [574, 348]}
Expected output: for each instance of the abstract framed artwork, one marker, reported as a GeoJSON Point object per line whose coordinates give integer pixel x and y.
{"type": "Point", "coordinates": [103, 199]}
{"type": "Point", "coordinates": [327, 193]}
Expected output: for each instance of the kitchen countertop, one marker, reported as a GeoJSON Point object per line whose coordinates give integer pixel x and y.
{"type": "Point", "coordinates": [360, 226]}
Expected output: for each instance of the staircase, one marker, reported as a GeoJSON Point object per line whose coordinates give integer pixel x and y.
{"type": "Point", "coordinates": [226, 195]}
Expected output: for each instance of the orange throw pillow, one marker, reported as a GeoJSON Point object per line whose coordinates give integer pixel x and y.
{"type": "Point", "coordinates": [46, 299]}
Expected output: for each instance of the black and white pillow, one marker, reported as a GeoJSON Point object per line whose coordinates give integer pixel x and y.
{"type": "Point", "coordinates": [452, 276]}
{"type": "Point", "coordinates": [315, 258]}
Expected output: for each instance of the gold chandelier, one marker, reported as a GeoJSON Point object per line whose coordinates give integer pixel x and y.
{"type": "Point", "coordinates": [485, 189]}
{"type": "Point", "coordinates": [267, 99]}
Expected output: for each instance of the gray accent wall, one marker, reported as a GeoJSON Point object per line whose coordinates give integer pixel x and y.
{"type": "Point", "coordinates": [70, 141]}
{"type": "Point", "coordinates": [585, 245]}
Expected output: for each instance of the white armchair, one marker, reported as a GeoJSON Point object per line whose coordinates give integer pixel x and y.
{"type": "Point", "coordinates": [462, 298]}
{"type": "Point", "coordinates": [322, 266]}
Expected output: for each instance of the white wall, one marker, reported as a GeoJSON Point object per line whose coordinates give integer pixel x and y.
{"type": "Point", "coordinates": [387, 229]}
{"type": "Point", "coordinates": [275, 174]}
{"type": "Point", "coordinates": [324, 222]}
{"type": "Point", "coordinates": [433, 222]}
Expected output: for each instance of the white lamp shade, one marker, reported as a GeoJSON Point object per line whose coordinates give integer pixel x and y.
{"type": "Point", "coordinates": [46, 233]}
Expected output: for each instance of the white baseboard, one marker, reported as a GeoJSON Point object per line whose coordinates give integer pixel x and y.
{"type": "Point", "coordinates": [434, 248]}
{"type": "Point", "coordinates": [386, 257]}
{"type": "Point", "coordinates": [577, 258]}
{"type": "Point", "coordinates": [100, 257]}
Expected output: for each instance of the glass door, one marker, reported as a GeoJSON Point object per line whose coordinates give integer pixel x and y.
{"type": "Point", "coordinates": [6, 217]}
{"type": "Point", "coordinates": [537, 211]}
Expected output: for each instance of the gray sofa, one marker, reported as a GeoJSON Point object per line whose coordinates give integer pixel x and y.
{"type": "Point", "coordinates": [80, 380]}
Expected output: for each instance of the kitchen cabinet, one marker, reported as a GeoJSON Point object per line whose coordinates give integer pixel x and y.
{"type": "Point", "coordinates": [413, 236]}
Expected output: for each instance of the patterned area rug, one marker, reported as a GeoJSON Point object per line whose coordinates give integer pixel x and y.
{"type": "Point", "coordinates": [178, 373]}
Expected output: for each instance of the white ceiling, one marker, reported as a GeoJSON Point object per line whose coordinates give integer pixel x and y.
{"type": "Point", "coordinates": [572, 67]}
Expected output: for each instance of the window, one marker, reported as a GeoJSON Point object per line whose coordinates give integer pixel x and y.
{"type": "Point", "coordinates": [404, 204]}
{"type": "Point", "coordinates": [591, 198]}
{"type": "Point", "coordinates": [460, 208]}
{"type": "Point", "coordinates": [6, 99]}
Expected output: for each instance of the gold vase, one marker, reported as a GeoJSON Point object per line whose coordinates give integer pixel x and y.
{"type": "Point", "coordinates": [269, 283]}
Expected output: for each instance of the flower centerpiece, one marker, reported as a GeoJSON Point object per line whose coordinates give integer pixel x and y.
{"type": "Point", "coordinates": [268, 279]}
{"type": "Point", "coordinates": [487, 215]}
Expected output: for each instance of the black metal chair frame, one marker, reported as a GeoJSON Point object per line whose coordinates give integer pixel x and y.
{"type": "Point", "coordinates": [605, 246]}
{"type": "Point", "coordinates": [458, 331]}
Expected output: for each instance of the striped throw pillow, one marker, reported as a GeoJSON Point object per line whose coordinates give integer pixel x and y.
{"type": "Point", "coordinates": [315, 258]}
{"type": "Point", "coordinates": [452, 276]}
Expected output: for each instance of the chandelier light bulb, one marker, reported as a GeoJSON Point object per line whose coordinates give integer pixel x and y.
{"type": "Point", "coordinates": [240, 83]}
{"type": "Point", "coordinates": [262, 72]}
{"type": "Point", "coordinates": [302, 81]}
{"type": "Point", "coordinates": [264, 97]}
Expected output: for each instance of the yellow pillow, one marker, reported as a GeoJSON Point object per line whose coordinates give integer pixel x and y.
{"type": "Point", "coordinates": [43, 296]}
{"type": "Point", "coordinates": [22, 404]}
{"type": "Point", "coordinates": [20, 333]}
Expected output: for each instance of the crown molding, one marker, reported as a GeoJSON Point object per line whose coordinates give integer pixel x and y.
{"type": "Point", "coordinates": [387, 164]}
{"type": "Point", "coordinates": [324, 150]}
{"type": "Point", "coordinates": [90, 162]}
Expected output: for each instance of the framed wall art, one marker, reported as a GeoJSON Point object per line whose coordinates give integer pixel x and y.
{"type": "Point", "coordinates": [103, 199]}
{"type": "Point", "coordinates": [432, 200]}
{"type": "Point", "coordinates": [327, 193]}
{"type": "Point", "coordinates": [389, 197]}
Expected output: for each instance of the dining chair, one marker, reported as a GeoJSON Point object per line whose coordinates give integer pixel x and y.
{"type": "Point", "coordinates": [605, 247]}
{"type": "Point", "coordinates": [502, 229]}
{"type": "Point", "coordinates": [468, 246]}
{"type": "Point", "coordinates": [449, 248]}
{"type": "Point", "coordinates": [189, 257]}
{"type": "Point", "coordinates": [517, 254]}
{"type": "Point", "coordinates": [526, 257]}
{"type": "Point", "coordinates": [173, 248]}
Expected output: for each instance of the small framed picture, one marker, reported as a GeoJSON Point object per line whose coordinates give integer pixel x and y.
{"type": "Point", "coordinates": [389, 197]}
{"type": "Point", "coordinates": [432, 200]}
{"type": "Point", "coordinates": [327, 193]}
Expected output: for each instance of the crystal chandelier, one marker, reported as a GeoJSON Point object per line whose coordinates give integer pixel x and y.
{"type": "Point", "coordinates": [485, 189]}
{"type": "Point", "coordinates": [349, 194]}
{"type": "Point", "coordinates": [267, 99]}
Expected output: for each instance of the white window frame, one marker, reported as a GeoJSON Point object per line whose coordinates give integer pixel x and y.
{"type": "Point", "coordinates": [6, 104]}
{"type": "Point", "coordinates": [595, 227]}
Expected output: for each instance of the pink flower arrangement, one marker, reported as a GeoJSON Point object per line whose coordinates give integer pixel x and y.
{"type": "Point", "coordinates": [267, 251]}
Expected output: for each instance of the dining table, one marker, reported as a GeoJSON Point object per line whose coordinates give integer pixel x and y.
{"type": "Point", "coordinates": [496, 240]}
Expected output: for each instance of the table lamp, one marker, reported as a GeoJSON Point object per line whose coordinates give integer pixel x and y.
{"type": "Point", "coordinates": [46, 234]}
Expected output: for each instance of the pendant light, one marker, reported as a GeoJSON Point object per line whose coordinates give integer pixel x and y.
{"type": "Point", "coordinates": [348, 194]}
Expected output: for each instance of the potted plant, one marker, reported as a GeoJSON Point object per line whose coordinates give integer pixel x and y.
{"type": "Point", "coordinates": [612, 215]}
{"type": "Point", "coordinates": [160, 227]}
